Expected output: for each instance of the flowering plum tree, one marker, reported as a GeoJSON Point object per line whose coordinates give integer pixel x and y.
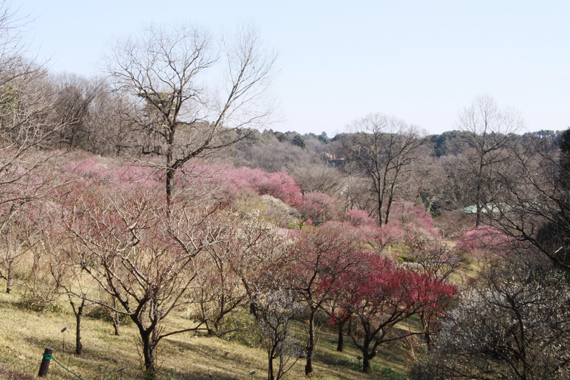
{"type": "Point", "coordinates": [142, 260]}
{"type": "Point", "coordinates": [435, 294]}
{"type": "Point", "coordinates": [321, 257]}
{"type": "Point", "coordinates": [380, 295]}
{"type": "Point", "coordinates": [416, 223]}
{"type": "Point", "coordinates": [225, 266]}
{"type": "Point", "coordinates": [24, 190]}
{"type": "Point", "coordinates": [94, 171]}
{"type": "Point", "coordinates": [232, 182]}
{"type": "Point", "coordinates": [484, 242]}
{"type": "Point", "coordinates": [318, 208]}
{"type": "Point", "coordinates": [359, 218]}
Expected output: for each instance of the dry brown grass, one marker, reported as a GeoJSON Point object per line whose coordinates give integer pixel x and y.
{"type": "Point", "coordinates": [24, 334]}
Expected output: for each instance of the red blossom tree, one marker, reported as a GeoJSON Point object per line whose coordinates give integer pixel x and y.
{"type": "Point", "coordinates": [435, 295]}
{"type": "Point", "coordinates": [380, 295]}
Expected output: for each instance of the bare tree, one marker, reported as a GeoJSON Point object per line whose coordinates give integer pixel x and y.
{"type": "Point", "coordinates": [384, 147]}
{"type": "Point", "coordinates": [27, 123]}
{"type": "Point", "coordinates": [490, 129]}
{"type": "Point", "coordinates": [74, 96]}
{"type": "Point", "coordinates": [26, 96]}
{"type": "Point", "coordinates": [267, 152]}
{"type": "Point", "coordinates": [19, 232]}
{"type": "Point", "coordinates": [531, 198]}
{"type": "Point", "coordinates": [110, 132]}
{"type": "Point", "coordinates": [180, 112]}
{"type": "Point", "coordinates": [425, 182]}
{"type": "Point", "coordinates": [356, 191]}
{"type": "Point", "coordinates": [317, 178]}
{"type": "Point", "coordinates": [69, 280]}
{"type": "Point", "coordinates": [12, 45]}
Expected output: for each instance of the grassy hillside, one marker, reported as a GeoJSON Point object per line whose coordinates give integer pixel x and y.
{"type": "Point", "coordinates": [24, 335]}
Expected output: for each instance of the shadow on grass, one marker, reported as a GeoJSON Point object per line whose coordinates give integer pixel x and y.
{"type": "Point", "coordinates": [111, 365]}
{"type": "Point", "coordinates": [9, 374]}
{"type": "Point", "coordinates": [106, 363]}
{"type": "Point", "coordinates": [389, 354]}
{"type": "Point", "coordinates": [216, 361]}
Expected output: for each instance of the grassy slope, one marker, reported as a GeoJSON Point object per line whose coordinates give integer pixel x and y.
{"type": "Point", "coordinates": [24, 335]}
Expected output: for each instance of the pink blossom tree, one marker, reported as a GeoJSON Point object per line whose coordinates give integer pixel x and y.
{"type": "Point", "coordinates": [318, 208]}
{"type": "Point", "coordinates": [231, 182]}
{"type": "Point", "coordinates": [409, 225]}
{"type": "Point", "coordinates": [141, 259]}
{"type": "Point", "coordinates": [359, 218]}
{"type": "Point", "coordinates": [484, 242]}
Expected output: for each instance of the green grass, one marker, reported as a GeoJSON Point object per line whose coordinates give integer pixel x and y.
{"type": "Point", "coordinates": [25, 333]}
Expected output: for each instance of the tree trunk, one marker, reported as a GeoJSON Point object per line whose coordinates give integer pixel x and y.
{"type": "Point", "coordinates": [478, 192]}
{"type": "Point", "coordinates": [366, 364]}
{"type": "Point", "coordinates": [340, 341]}
{"type": "Point", "coordinates": [170, 171]}
{"type": "Point", "coordinates": [310, 344]}
{"type": "Point", "coordinates": [9, 279]}
{"type": "Point", "coordinates": [148, 354]}
{"type": "Point", "coordinates": [170, 175]}
{"type": "Point", "coordinates": [270, 367]}
{"type": "Point", "coordinates": [366, 368]}
{"type": "Point", "coordinates": [478, 210]}
{"type": "Point", "coordinates": [380, 219]}
{"type": "Point", "coordinates": [115, 318]}
{"type": "Point", "coordinates": [78, 315]}
{"type": "Point", "coordinates": [116, 323]}
{"type": "Point", "coordinates": [388, 207]}
{"type": "Point", "coordinates": [426, 330]}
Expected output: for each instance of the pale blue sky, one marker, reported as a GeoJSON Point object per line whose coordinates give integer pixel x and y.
{"type": "Point", "coordinates": [421, 61]}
